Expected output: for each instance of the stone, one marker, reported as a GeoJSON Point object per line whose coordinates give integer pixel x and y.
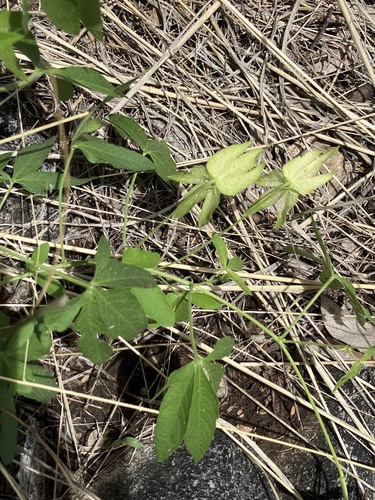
{"type": "Point", "coordinates": [224, 473]}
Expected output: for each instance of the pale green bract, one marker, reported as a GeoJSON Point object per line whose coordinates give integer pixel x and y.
{"type": "Point", "coordinates": [301, 171]}
{"type": "Point", "coordinates": [297, 177]}
{"type": "Point", "coordinates": [227, 172]}
{"type": "Point", "coordinates": [233, 170]}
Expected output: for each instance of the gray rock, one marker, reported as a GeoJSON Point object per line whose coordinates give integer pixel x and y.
{"type": "Point", "coordinates": [224, 473]}
{"type": "Point", "coordinates": [316, 477]}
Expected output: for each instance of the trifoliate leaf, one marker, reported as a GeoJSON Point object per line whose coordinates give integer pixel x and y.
{"type": "Point", "coordinates": [174, 412]}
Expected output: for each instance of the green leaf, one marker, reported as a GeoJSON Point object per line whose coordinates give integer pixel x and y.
{"type": "Point", "coordinates": [155, 305]}
{"type": "Point", "coordinates": [4, 320]}
{"type": "Point", "coordinates": [29, 47]}
{"type": "Point", "coordinates": [85, 77]}
{"type": "Point", "coordinates": [39, 344]}
{"type": "Point", "coordinates": [222, 349]}
{"type": "Point", "coordinates": [65, 89]}
{"type": "Point", "coordinates": [31, 158]}
{"type": "Point", "coordinates": [291, 249]}
{"type": "Point", "coordinates": [266, 200]}
{"type": "Point", "coordinates": [215, 373]}
{"type": "Point", "coordinates": [39, 375]}
{"type": "Point", "coordinates": [27, 163]}
{"type": "Point", "coordinates": [39, 256]}
{"type": "Point", "coordinates": [286, 202]}
{"type": "Point", "coordinates": [98, 151]}
{"type": "Point", "coordinates": [10, 60]}
{"type": "Point", "coordinates": [235, 264]}
{"type": "Point", "coordinates": [59, 319]}
{"type": "Point", "coordinates": [21, 334]}
{"type": "Point", "coordinates": [64, 14]}
{"type": "Point", "coordinates": [361, 313]}
{"type": "Point", "coordinates": [239, 281]}
{"type": "Point", "coordinates": [190, 408]}
{"type": "Point", "coordinates": [273, 179]}
{"type": "Point", "coordinates": [196, 175]}
{"type": "Point", "coordinates": [91, 17]}
{"type": "Point", "coordinates": [210, 203]}
{"type": "Point", "coordinates": [41, 274]}
{"type": "Point", "coordinates": [174, 412]}
{"type": "Point", "coordinates": [94, 349]}
{"type": "Point", "coordinates": [8, 424]}
{"type": "Point", "coordinates": [54, 289]}
{"type": "Point", "coordinates": [140, 258]}
{"type": "Point", "coordinates": [204, 301]}
{"type": "Point", "coordinates": [87, 127]}
{"type": "Point", "coordinates": [234, 170]}
{"type": "Point", "coordinates": [221, 249]}
{"type": "Point", "coordinates": [121, 313]}
{"type": "Point", "coordinates": [355, 369]}
{"type": "Point", "coordinates": [127, 441]}
{"type": "Point", "coordinates": [4, 160]}
{"type": "Point", "coordinates": [194, 196]}
{"type": "Point", "coordinates": [203, 413]}
{"type": "Point", "coordinates": [160, 154]}
{"type": "Point", "coordinates": [180, 306]}
{"type": "Point", "coordinates": [89, 320]}
{"type": "Point", "coordinates": [130, 129]}
{"type": "Point", "coordinates": [11, 32]}
{"type": "Point", "coordinates": [103, 255]}
{"type": "Point", "coordinates": [116, 274]}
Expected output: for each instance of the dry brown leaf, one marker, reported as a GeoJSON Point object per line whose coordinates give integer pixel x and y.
{"type": "Point", "coordinates": [342, 325]}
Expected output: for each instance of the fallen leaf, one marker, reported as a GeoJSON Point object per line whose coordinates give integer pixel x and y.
{"type": "Point", "coordinates": [343, 326]}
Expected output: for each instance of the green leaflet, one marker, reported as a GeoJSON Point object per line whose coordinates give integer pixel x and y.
{"type": "Point", "coordinates": [85, 77]}
{"type": "Point", "coordinates": [229, 266]}
{"type": "Point", "coordinates": [27, 174]}
{"type": "Point", "coordinates": [98, 151]}
{"type": "Point", "coordinates": [190, 408]}
{"type": "Point", "coordinates": [157, 150]}
{"type": "Point", "coordinates": [65, 15]}
{"type": "Point", "coordinates": [140, 258]}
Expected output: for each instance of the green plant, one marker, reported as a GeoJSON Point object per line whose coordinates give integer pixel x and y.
{"type": "Point", "coordinates": [231, 170]}
{"type": "Point", "coordinates": [109, 289]}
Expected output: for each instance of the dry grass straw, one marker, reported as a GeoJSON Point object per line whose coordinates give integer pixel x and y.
{"type": "Point", "coordinates": [213, 74]}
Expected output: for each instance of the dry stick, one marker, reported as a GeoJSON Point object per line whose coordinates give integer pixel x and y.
{"type": "Point", "coordinates": [305, 81]}
{"type": "Point", "coordinates": [357, 41]}
{"type": "Point", "coordinates": [43, 127]}
{"type": "Point", "coordinates": [171, 51]}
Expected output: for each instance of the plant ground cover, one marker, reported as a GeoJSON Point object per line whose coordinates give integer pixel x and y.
{"type": "Point", "coordinates": [293, 78]}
